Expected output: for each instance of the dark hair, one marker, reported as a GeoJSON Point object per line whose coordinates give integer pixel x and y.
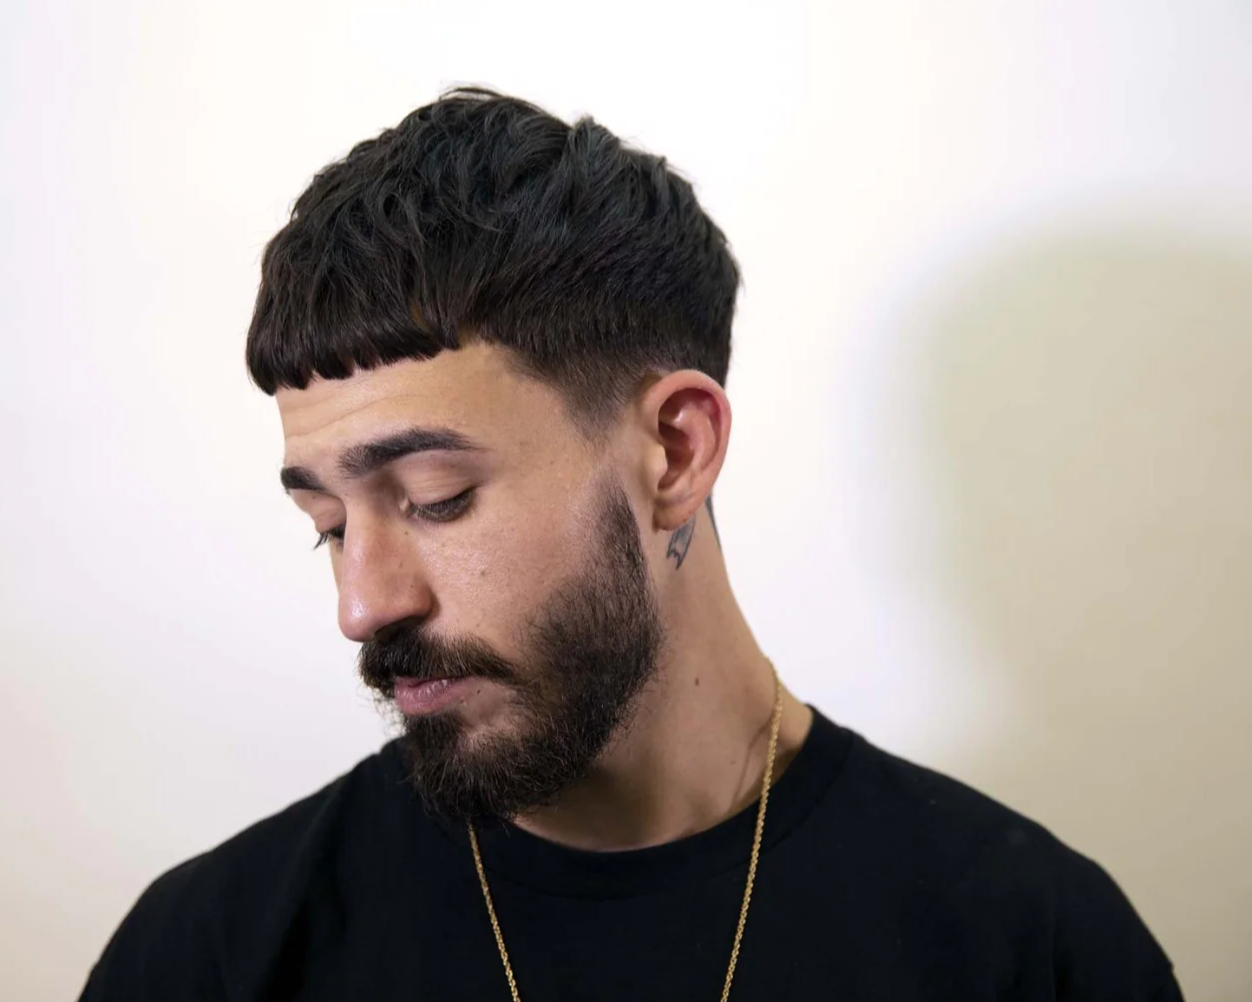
{"type": "Point", "coordinates": [482, 217]}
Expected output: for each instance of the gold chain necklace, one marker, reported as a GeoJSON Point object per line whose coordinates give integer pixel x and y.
{"type": "Point", "coordinates": [747, 891]}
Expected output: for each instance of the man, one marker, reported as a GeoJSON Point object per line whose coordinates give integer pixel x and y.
{"type": "Point", "coordinates": [498, 345]}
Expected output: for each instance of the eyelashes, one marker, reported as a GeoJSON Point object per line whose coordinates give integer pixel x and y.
{"type": "Point", "coordinates": [323, 537]}
{"type": "Point", "coordinates": [442, 511]}
{"type": "Point", "coordinates": [446, 510]}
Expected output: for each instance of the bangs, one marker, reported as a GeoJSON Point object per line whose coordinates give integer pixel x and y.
{"type": "Point", "coordinates": [327, 311]}
{"type": "Point", "coordinates": [482, 217]}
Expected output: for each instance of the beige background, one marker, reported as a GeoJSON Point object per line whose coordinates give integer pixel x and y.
{"type": "Point", "coordinates": [990, 495]}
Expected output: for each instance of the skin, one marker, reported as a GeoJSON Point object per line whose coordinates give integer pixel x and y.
{"type": "Point", "coordinates": [695, 751]}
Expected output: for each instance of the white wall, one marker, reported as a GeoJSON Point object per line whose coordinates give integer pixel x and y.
{"type": "Point", "coordinates": [990, 495]}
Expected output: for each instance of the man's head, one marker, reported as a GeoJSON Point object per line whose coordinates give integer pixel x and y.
{"type": "Point", "coordinates": [498, 344]}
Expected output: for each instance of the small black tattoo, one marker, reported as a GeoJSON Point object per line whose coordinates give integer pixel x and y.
{"type": "Point", "coordinates": [680, 541]}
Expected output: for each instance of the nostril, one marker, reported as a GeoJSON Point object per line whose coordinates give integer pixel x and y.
{"type": "Point", "coordinates": [387, 633]}
{"type": "Point", "coordinates": [384, 634]}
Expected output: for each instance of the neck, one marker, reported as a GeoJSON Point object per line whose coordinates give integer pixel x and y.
{"type": "Point", "coordinates": [694, 751]}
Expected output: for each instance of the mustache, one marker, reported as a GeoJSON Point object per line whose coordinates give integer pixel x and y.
{"type": "Point", "coordinates": [424, 658]}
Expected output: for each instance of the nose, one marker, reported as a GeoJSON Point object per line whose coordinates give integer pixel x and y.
{"type": "Point", "coordinates": [382, 584]}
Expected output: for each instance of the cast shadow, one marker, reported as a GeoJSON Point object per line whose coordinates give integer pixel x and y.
{"type": "Point", "coordinates": [1087, 406]}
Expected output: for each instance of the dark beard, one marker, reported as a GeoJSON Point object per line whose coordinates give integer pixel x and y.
{"type": "Point", "coordinates": [587, 656]}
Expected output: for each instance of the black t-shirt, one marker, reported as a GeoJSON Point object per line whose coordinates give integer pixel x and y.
{"type": "Point", "coordinates": [879, 880]}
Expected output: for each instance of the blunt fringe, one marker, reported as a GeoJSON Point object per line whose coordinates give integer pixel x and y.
{"type": "Point", "coordinates": [483, 217]}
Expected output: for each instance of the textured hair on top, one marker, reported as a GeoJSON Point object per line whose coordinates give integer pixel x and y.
{"type": "Point", "coordinates": [481, 217]}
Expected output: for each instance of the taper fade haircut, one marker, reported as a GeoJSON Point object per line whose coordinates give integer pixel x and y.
{"type": "Point", "coordinates": [481, 217]}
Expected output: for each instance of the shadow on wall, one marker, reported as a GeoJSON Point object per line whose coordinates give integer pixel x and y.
{"type": "Point", "coordinates": [1088, 413]}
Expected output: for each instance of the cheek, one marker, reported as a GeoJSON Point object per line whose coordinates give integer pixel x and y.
{"type": "Point", "coordinates": [494, 584]}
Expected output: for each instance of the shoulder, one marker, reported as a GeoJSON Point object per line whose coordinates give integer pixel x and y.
{"type": "Point", "coordinates": [944, 823]}
{"type": "Point", "coordinates": [200, 917]}
{"type": "Point", "coordinates": [971, 855]}
{"type": "Point", "coordinates": [958, 827]}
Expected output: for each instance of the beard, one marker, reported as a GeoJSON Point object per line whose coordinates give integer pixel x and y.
{"type": "Point", "coordinates": [586, 657]}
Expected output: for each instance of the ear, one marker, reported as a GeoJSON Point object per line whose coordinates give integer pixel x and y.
{"type": "Point", "coordinates": [687, 418]}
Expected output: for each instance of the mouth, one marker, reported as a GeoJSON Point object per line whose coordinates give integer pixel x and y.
{"type": "Point", "coordinates": [420, 697]}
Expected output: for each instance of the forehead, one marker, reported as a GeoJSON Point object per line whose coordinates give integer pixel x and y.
{"type": "Point", "coordinates": [474, 391]}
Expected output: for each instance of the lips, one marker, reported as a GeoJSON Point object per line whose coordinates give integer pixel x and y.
{"type": "Point", "coordinates": [417, 697]}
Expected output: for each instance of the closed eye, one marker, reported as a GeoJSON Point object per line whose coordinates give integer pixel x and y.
{"type": "Point", "coordinates": [336, 534]}
{"type": "Point", "coordinates": [443, 511]}
{"type": "Point", "coordinates": [437, 511]}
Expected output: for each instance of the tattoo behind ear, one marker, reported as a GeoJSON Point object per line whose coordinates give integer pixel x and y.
{"type": "Point", "coordinates": [681, 540]}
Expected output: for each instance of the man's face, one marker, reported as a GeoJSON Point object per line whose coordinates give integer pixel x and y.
{"type": "Point", "coordinates": [488, 560]}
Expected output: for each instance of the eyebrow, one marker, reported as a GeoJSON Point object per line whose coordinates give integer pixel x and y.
{"type": "Point", "coordinates": [360, 460]}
